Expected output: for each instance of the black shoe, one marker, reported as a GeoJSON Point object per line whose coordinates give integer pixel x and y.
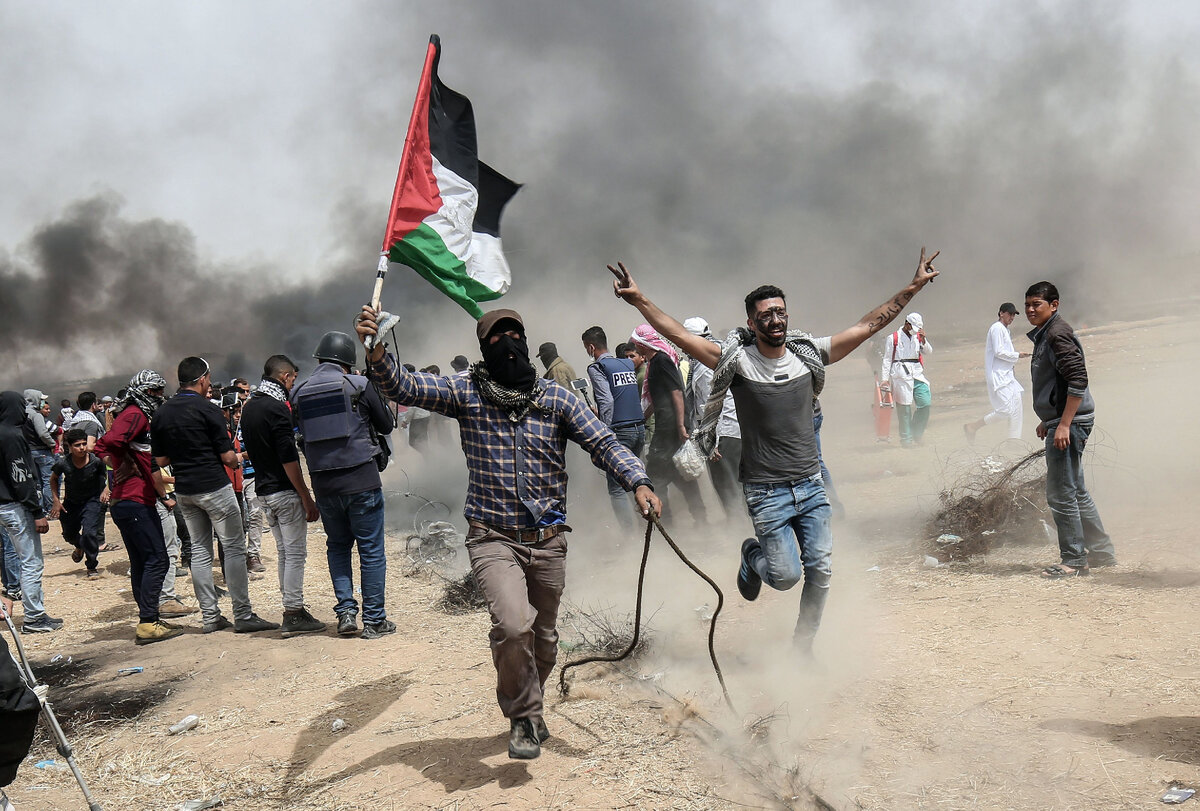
{"type": "Point", "coordinates": [523, 743]}
{"type": "Point", "coordinates": [220, 625]}
{"type": "Point", "coordinates": [253, 624]}
{"type": "Point", "coordinates": [347, 626]}
{"type": "Point", "coordinates": [543, 732]}
{"type": "Point", "coordinates": [13, 594]}
{"type": "Point", "coordinates": [43, 626]}
{"type": "Point", "coordinates": [374, 630]}
{"type": "Point", "coordinates": [1101, 561]}
{"type": "Point", "coordinates": [300, 622]}
{"type": "Point", "coordinates": [748, 581]}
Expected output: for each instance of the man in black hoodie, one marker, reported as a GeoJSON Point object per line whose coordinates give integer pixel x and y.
{"type": "Point", "coordinates": [21, 513]}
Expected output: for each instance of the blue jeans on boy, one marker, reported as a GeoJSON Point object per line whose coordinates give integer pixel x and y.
{"type": "Point", "coordinates": [349, 519]}
{"type": "Point", "coordinates": [1079, 529]}
{"type": "Point", "coordinates": [792, 523]}
{"type": "Point", "coordinates": [18, 522]}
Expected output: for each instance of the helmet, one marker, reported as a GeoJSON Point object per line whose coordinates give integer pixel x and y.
{"type": "Point", "coordinates": [337, 347]}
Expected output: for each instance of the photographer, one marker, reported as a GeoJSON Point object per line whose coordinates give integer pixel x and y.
{"type": "Point", "coordinates": [341, 418]}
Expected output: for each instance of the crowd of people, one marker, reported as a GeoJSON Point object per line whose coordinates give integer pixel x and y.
{"type": "Point", "coordinates": [196, 478]}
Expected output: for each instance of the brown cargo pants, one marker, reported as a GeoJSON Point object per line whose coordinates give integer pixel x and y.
{"type": "Point", "coordinates": [522, 583]}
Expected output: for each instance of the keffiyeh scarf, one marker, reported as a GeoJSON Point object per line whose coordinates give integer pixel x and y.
{"type": "Point", "coordinates": [514, 403]}
{"type": "Point", "coordinates": [798, 343]}
{"type": "Point", "coordinates": [272, 388]}
{"type": "Point", "coordinates": [138, 392]}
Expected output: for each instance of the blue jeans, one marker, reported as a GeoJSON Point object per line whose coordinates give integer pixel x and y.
{"type": "Point", "coordinates": [204, 514]}
{"type": "Point", "coordinates": [349, 519]}
{"type": "Point", "coordinates": [17, 521]}
{"type": "Point", "coordinates": [632, 437]}
{"type": "Point", "coordinates": [826, 476]}
{"type": "Point", "coordinates": [10, 564]}
{"type": "Point", "coordinates": [792, 523]}
{"type": "Point", "coordinates": [43, 463]}
{"type": "Point", "coordinates": [1079, 529]}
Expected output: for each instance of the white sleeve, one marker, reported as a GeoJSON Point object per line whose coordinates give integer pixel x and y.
{"type": "Point", "coordinates": [885, 373]}
{"type": "Point", "coordinates": [1003, 347]}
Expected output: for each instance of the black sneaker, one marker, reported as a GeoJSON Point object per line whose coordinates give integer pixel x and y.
{"type": "Point", "coordinates": [253, 624]}
{"type": "Point", "coordinates": [219, 625]}
{"type": "Point", "coordinates": [374, 630]}
{"type": "Point", "coordinates": [543, 732]}
{"type": "Point", "coordinates": [300, 621]}
{"type": "Point", "coordinates": [748, 581]}
{"type": "Point", "coordinates": [347, 625]}
{"type": "Point", "coordinates": [523, 743]}
{"type": "Point", "coordinates": [43, 626]}
{"type": "Point", "coordinates": [13, 594]}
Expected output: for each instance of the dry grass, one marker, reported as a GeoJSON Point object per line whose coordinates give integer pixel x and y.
{"type": "Point", "coordinates": [462, 596]}
{"type": "Point", "coordinates": [990, 506]}
{"type": "Point", "coordinates": [601, 631]}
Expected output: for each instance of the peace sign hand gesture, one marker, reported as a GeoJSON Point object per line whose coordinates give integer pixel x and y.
{"type": "Point", "coordinates": [925, 270]}
{"type": "Point", "coordinates": [624, 287]}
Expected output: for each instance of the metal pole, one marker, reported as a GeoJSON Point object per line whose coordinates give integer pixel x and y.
{"type": "Point", "coordinates": [61, 743]}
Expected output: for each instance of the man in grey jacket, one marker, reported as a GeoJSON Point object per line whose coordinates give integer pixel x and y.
{"type": "Point", "coordinates": [41, 442]}
{"type": "Point", "coordinates": [1064, 405]}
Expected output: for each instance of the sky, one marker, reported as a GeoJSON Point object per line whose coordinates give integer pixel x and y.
{"type": "Point", "coordinates": [213, 178]}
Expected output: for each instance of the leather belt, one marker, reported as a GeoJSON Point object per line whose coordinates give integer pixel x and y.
{"type": "Point", "coordinates": [628, 424]}
{"type": "Point", "coordinates": [524, 536]}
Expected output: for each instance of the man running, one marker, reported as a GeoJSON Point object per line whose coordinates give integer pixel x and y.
{"type": "Point", "coordinates": [775, 375]}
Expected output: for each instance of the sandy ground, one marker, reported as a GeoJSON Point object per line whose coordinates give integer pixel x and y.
{"type": "Point", "coordinates": [973, 685]}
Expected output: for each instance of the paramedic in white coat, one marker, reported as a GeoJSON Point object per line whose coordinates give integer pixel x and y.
{"type": "Point", "coordinates": [904, 373]}
{"type": "Point", "coordinates": [1003, 390]}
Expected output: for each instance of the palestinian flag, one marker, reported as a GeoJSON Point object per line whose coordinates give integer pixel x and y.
{"type": "Point", "coordinates": [445, 217]}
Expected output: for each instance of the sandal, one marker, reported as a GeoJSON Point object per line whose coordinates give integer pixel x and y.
{"type": "Point", "coordinates": [1060, 570]}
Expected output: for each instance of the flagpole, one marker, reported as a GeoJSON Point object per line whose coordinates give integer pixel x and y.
{"type": "Point", "coordinates": [422, 98]}
{"type": "Point", "coordinates": [380, 272]}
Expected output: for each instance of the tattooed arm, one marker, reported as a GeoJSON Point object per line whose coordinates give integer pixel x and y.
{"type": "Point", "coordinates": [848, 340]}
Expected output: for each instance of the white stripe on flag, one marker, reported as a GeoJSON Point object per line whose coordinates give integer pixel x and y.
{"type": "Point", "coordinates": [480, 253]}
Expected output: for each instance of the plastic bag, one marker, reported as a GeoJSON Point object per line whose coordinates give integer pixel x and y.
{"type": "Point", "coordinates": [689, 461]}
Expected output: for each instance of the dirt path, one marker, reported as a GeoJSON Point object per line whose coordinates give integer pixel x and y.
{"type": "Point", "coordinates": [974, 685]}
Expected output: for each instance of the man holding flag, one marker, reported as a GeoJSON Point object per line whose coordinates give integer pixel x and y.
{"type": "Point", "coordinates": [514, 427]}
{"type": "Point", "coordinates": [445, 224]}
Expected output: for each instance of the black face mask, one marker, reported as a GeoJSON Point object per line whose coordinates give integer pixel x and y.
{"type": "Point", "coordinates": [514, 372]}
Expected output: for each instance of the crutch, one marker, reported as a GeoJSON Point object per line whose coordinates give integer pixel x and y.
{"type": "Point", "coordinates": [64, 748]}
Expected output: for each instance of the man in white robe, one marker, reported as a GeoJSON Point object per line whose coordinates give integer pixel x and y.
{"type": "Point", "coordinates": [1003, 390]}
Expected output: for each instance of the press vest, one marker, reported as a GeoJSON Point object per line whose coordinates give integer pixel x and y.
{"type": "Point", "coordinates": [622, 382]}
{"type": "Point", "coordinates": [336, 429]}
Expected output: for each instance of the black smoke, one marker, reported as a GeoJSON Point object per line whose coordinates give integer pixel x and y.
{"type": "Point", "coordinates": [714, 148]}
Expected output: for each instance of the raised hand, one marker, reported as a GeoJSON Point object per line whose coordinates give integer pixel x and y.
{"type": "Point", "coordinates": [624, 287]}
{"type": "Point", "coordinates": [925, 270]}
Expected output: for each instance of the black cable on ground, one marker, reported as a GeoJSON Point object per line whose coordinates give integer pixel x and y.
{"type": "Point", "coordinates": [565, 689]}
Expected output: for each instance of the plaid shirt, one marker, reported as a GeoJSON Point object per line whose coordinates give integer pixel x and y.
{"type": "Point", "coordinates": [515, 469]}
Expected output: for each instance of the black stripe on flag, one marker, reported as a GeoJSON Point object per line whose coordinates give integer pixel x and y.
{"type": "Point", "coordinates": [453, 142]}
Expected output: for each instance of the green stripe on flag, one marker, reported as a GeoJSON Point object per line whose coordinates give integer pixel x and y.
{"type": "Point", "coordinates": [423, 250]}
